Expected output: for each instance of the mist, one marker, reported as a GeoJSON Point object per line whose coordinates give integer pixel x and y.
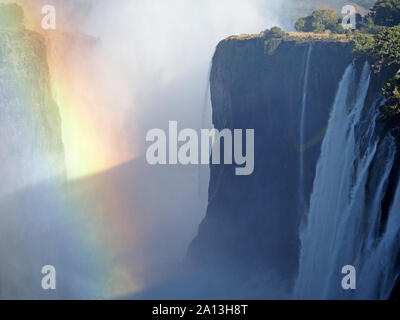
{"type": "Point", "coordinates": [150, 65]}
{"type": "Point", "coordinates": [164, 49]}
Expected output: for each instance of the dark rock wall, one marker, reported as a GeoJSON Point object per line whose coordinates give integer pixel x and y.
{"type": "Point", "coordinates": [252, 222]}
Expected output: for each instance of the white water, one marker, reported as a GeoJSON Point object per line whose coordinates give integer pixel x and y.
{"type": "Point", "coordinates": [343, 222]}
{"type": "Point", "coordinates": [302, 127]}
{"type": "Point", "coordinates": [377, 263]}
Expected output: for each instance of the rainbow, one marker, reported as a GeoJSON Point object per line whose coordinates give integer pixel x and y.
{"type": "Point", "coordinates": [89, 94]}
{"type": "Point", "coordinates": [90, 209]}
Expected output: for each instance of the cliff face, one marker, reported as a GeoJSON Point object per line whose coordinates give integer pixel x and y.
{"type": "Point", "coordinates": [325, 191]}
{"type": "Point", "coordinates": [31, 148]}
{"type": "Point", "coordinates": [252, 222]}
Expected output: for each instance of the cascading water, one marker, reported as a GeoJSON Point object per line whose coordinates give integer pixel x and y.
{"type": "Point", "coordinates": [345, 215]}
{"type": "Point", "coordinates": [302, 128]}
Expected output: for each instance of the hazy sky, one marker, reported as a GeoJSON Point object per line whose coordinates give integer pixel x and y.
{"type": "Point", "coordinates": [152, 61]}
{"type": "Point", "coordinates": [150, 66]}
{"type": "Point", "coordinates": [165, 48]}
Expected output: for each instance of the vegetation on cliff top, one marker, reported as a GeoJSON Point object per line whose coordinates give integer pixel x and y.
{"type": "Point", "coordinates": [391, 92]}
{"type": "Point", "coordinates": [274, 33]}
{"type": "Point", "coordinates": [386, 13]}
{"type": "Point", "coordinates": [320, 21]}
{"type": "Point", "coordinates": [378, 40]}
{"type": "Point", "coordinates": [273, 39]}
{"type": "Point", "coordinates": [382, 49]}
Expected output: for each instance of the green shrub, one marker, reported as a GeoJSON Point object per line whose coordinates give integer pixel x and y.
{"type": "Point", "coordinates": [383, 52]}
{"type": "Point", "coordinates": [321, 21]}
{"type": "Point", "coordinates": [391, 91]}
{"type": "Point", "coordinates": [367, 25]}
{"type": "Point", "coordinates": [387, 47]}
{"type": "Point", "coordinates": [303, 24]}
{"type": "Point", "coordinates": [274, 33]}
{"type": "Point", "coordinates": [382, 49]}
{"type": "Point", "coordinates": [363, 44]}
{"type": "Point", "coordinates": [386, 13]}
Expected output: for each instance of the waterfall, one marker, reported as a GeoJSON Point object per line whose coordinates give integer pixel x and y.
{"type": "Point", "coordinates": [331, 233]}
{"type": "Point", "coordinates": [302, 128]}
{"type": "Point", "coordinates": [320, 216]}
{"type": "Point", "coordinates": [344, 224]}
{"type": "Point", "coordinates": [378, 270]}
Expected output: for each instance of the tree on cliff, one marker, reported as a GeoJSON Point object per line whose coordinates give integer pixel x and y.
{"type": "Point", "coordinates": [386, 13]}
{"type": "Point", "coordinates": [320, 21]}
{"type": "Point", "coordinates": [383, 52]}
{"type": "Point", "coordinates": [387, 47]}
{"type": "Point", "coordinates": [274, 33]}
{"type": "Point", "coordinates": [382, 49]}
{"type": "Point", "coordinates": [387, 52]}
{"type": "Point", "coordinates": [11, 16]}
{"type": "Point", "coordinates": [391, 91]}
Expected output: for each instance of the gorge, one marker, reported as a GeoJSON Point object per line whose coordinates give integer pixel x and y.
{"type": "Point", "coordinates": [323, 193]}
